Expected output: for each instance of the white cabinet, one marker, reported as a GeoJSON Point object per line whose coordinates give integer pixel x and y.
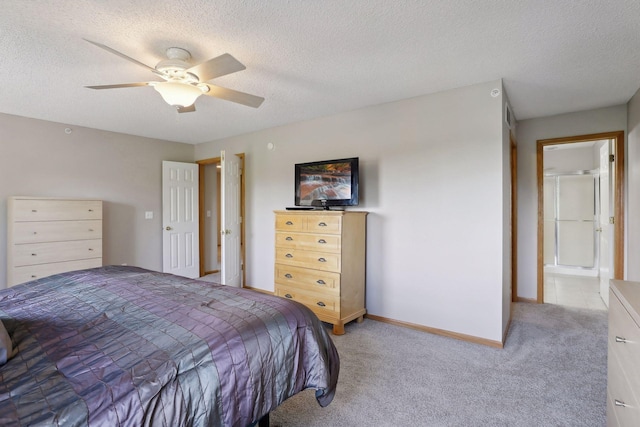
{"type": "Point", "coordinates": [48, 236]}
{"type": "Point", "coordinates": [623, 383]}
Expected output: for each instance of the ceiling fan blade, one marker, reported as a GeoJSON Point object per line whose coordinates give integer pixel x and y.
{"type": "Point", "coordinates": [188, 109]}
{"type": "Point", "coordinates": [121, 55]}
{"type": "Point", "coordinates": [234, 96]}
{"type": "Point", "coordinates": [118, 85]}
{"type": "Point", "coordinates": [216, 67]}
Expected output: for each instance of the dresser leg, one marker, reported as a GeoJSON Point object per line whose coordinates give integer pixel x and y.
{"type": "Point", "coordinates": [338, 329]}
{"type": "Point", "coordinates": [360, 319]}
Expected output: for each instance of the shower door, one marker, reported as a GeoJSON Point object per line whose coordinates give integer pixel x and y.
{"type": "Point", "coordinates": [570, 221]}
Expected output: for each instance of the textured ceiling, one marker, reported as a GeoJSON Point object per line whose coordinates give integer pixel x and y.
{"type": "Point", "coordinates": [311, 58]}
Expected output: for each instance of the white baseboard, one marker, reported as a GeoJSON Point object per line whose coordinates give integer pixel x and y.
{"type": "Point", "coordinates": [572, 271]}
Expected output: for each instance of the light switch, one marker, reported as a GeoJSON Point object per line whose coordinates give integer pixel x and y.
{"type": "Point", "coordinates": [148, 215]}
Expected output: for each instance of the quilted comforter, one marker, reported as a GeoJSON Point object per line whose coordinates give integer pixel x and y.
{"type": "Point", "coordinates": [125, 346]}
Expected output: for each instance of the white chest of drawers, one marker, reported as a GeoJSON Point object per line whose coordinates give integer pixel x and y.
{"type": "Point", "coordinates": [48, 236]}
{"type": "Point", "coordinates": [320, 262]}
{"type": "Point", "coordinates": [623, 370]}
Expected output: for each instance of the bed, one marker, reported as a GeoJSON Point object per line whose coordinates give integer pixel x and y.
{"type": "Point", "coordinates": [124, 346]}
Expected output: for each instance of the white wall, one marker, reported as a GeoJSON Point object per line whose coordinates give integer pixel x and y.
{"type": "Point", "coordinates": [432, 179]}
{"type": "Point", "coordinates": [529, 131]}
{"type": "Point", "coordinates": [37, 158]}
{"type": "Point", "coordinates": [633, 189]}
{"type": "Point", "coordinates": [507, 284]}
{"type": "Point", "coordinates": [571, 159]}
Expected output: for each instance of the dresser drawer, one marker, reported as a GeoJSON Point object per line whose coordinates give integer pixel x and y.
{"type": "Point", "coordinates": [324, 224]}
{"type": "Point", "coordinates": [56, 231]}
{"type": "Point", "coordinates": [33, 272]}
{"type": "Point", "coordinates": [56, 210]}
{"type": "Point", "coordinates": [323, 304]}
{"type": "Point", "coordinates": [619, 390]}
{"type": "Point", "coordinates": [307, 279]}
{"type": "Point", "coordinates": [308, 259]}
{"type": "Point", "coordinates": [290, 222]}
{"type": "Point", "coordinates": [312, 242]}
{"type": "Point", "coordinates": [624, 340]}
{"type": "Point", "coordinates": [42, 253]}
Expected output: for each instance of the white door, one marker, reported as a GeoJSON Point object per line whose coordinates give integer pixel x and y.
{"type": "Point", "coordinates": [180, 246]}
{"type": "Point", "coordinates": [230, 260]}
{"type": "Point", "coordinates": [604, 228]}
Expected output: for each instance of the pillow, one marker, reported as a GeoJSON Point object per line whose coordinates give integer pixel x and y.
{"type": "Point", "coordinates": [6, 348]}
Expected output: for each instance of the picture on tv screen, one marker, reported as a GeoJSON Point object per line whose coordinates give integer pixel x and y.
{"type": "Point", "coordinates": [330, 181]}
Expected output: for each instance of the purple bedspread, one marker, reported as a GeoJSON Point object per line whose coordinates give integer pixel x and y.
{"type": "Point", "coordinates": [123, 346]}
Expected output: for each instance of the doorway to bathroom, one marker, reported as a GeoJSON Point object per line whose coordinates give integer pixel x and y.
{"type": "Point", "coordinates": [580, 219]}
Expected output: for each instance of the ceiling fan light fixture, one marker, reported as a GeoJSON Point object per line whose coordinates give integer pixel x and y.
{"type": "Point", "coordinates": [178, 94]}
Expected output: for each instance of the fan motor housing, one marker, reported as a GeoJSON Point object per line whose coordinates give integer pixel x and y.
{"type": "Point", "coordinates": [176, 64]}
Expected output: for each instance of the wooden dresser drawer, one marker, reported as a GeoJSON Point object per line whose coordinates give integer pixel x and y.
{"type": "Point", "coordinates": [320, 304]}
{"type": "Point", "coordinates": [324, 224]}
{"type": "Point", "coordinates": [312, 242]}
{"type": "Point", "coordinates": [41, 253]}
{"type": "Point", "coordinates": [33, 272]}
{"type": "Point", "coordinates": [56, 231]}
{"type": "Point", "coordinates": [290, 223]}
{"type": "Point", "coordinates": [56, 210]}
{"type": "Point", "coordinates": [309, 259]}
{"type": "Point", "coordinates": [307, 279]}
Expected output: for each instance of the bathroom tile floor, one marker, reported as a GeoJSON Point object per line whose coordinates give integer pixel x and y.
{"type": "Point", "coordinates": [573, 291]}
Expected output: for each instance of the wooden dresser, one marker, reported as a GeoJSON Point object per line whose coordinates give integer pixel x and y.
{"type": "Point", "coordinates": [623, 384]}
{"type": "Point", "coordinates": [320, 262]}
{"type": "Point", "coordinates": [48, 236]}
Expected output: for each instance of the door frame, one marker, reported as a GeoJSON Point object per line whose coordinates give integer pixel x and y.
{"type": "Point", "coordinates": [513, 163]}
{"type": "Point", "coordinates": [201, 214]}
{"type": "Point", "coordinates": [618, 214]}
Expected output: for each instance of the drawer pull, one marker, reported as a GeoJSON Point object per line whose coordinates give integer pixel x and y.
{"type": "Point", "coordinates": [33, 276]}
{"type": "Point", "coordinates": [322, 224]}
{"type": "Point", "coordinates": [322, 260]}
{"type": "Point", "coordinates": [288, 296]}
{"type": "Point", "coordinates": [322, 241]}
{"type": "Point", "coordinates": [90, 249]}
{"type": "Point", "coordinates": [35, 232]}
{"type": "Point", "coordinates": [289, 223]}
{"type": "Point", "coordinates": [34, 254]}
{"type": "Point", "coordinates": [620, 403]}
{"type": "Point", "coordinates": [91, 229]}
{"type": "Point", "coordinates": [90, 210]}
{"type": "Point", "coordinates": [34, 210]}
{"type": "Point", "coordinates": [289, 238]}
{"type": "Point", "coordinates": [289, 256]}
{"type": "Point", "coordinates": [288, 276]}
{"type": "Point", "coordinates": [321, 282]}
{"type": "Point", "coordinates": [621, 339]}
{"type": "Point", "coordinates": [321, 304]}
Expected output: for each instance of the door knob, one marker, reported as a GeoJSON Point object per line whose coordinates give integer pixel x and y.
{"type": "Point", "coordinates": [168, 228]}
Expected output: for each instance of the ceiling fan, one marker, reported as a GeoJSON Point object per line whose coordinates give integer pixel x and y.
{"type": "Point", "coordinates": [184, 83]}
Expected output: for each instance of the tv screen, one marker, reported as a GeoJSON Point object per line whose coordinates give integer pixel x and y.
{"type": "Point", "coordinates": [327, 183]}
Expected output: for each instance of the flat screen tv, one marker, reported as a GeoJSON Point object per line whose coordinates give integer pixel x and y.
{"type": "Point", "coordinates": [327, 183]}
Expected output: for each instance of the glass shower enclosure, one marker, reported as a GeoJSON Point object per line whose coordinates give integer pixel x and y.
{"type": "Point", "coordinates": [571, 220]}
